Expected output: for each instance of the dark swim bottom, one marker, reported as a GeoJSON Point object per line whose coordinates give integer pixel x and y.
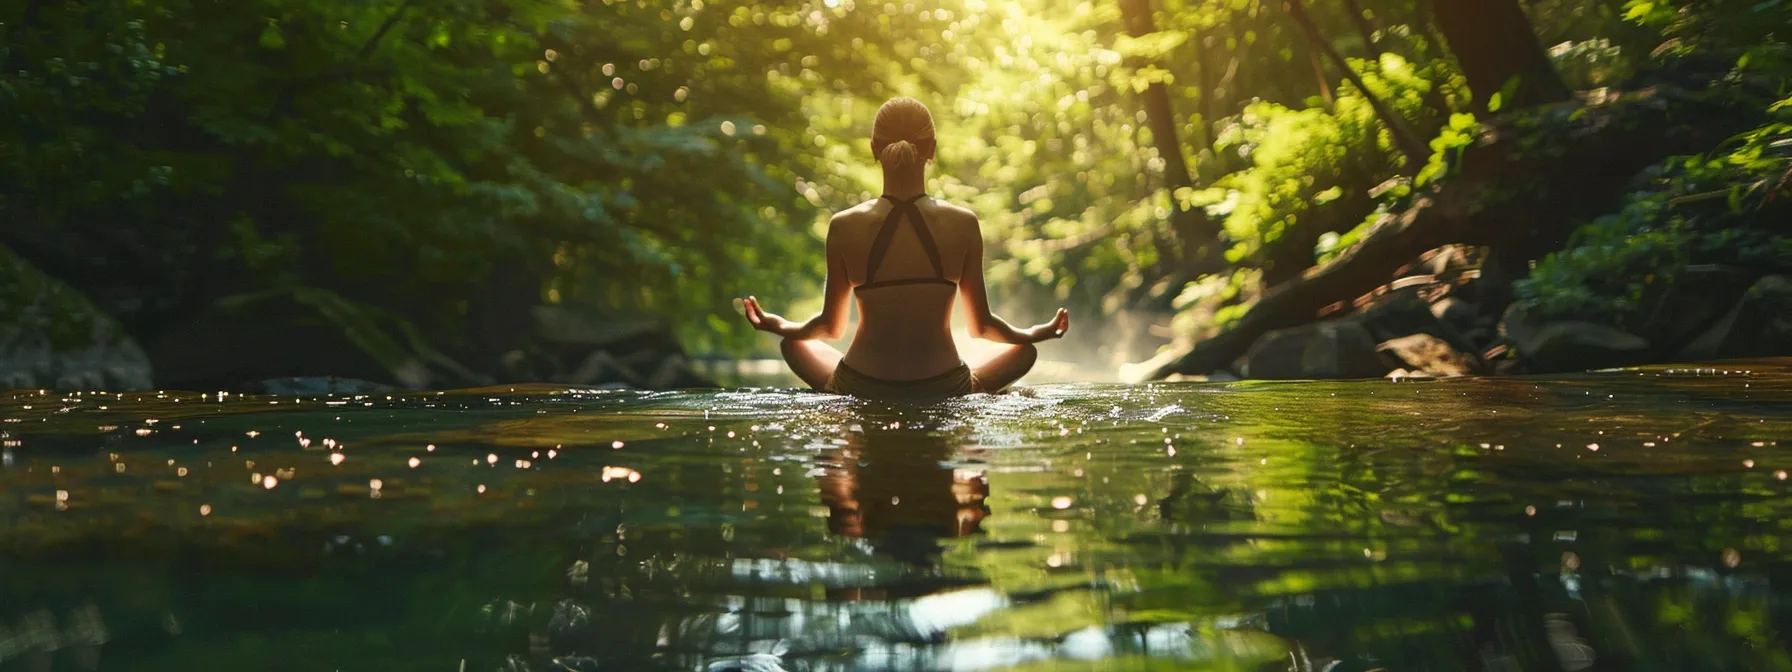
{"type": "Point", "coordinates": [955, 382]}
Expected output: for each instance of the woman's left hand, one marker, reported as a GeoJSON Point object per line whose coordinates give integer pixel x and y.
{"type": "Point", "coordinates": [1059, 324]}
{"type": "Point", "coordinates": [762, 320]}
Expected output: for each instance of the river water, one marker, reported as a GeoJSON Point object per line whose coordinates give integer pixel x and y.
{"type": "Point", "coordinates": [1633, 519]}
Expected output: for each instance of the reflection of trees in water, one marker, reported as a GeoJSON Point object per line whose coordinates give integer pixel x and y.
{"type": "Point", "coordinates": [1198, 571]}
{"type": "Point", "coordinates": [55, 638]}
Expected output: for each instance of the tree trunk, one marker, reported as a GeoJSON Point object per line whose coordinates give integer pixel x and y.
{"type": "Point", "coordinates": [1355, 11]}
{"type": "Point", "coordinates": [1197, 235]}
{"type": "Point", "coordinates": [1496, 47]}
{"type": "Point", "coordinates": [1205, 80]}
{"type": "Point", "coordinates": [1417, 151]}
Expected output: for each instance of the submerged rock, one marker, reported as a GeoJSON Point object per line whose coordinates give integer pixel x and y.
{"type": "Point", "coordinates": [1337, 349]}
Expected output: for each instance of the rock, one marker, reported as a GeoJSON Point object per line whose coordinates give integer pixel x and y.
{"type": "Point", "coordinates": [1517, 326]}
{"type": "Point", "coordinates": [1403, 374]}
{"type": "Point", "coordinates": [580, 329]}
{"type": "Point", "coordinates": [1336, 349]}
{"type": "Point", "coordinates": [1220, 376]}
{"type": "Point", "coordinates": [1448, 262]}
{"type": "Point", "coordinates": [1429, 356]}
{"type": "Point", "coordinates": [1398, 313]}
{"type": "Point", "coordinates": [1406, 311]}
{"type": "Point", "coordinates": [1456, 314]}
{"type": "Point", "coordinates": [1507, 367]}
{"type": "Point", "coordinates": [1572, 345]}
{"type": "Point", "coordinates": [1759, 325]}
{"type": "Point", "coordinates": [1681, 308]}
{"type": "Point", "coordinates": [51, 336]}
{"type": "Point", "coordinates": [600, 350]}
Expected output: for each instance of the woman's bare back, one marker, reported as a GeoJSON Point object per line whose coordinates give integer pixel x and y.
{"type": "Point", "coordinates": [904, 327]}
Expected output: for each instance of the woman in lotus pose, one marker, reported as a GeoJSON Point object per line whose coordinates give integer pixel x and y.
{"type": "Point", "coordinates": [906, 257]}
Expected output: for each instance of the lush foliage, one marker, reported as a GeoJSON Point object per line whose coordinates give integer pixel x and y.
{"type": "Point", "coordinates": [401, 158]}
{"type": "Point", "coordinates": [420, 175]}
{"type": "Point", "coordinates": [1727, 207]}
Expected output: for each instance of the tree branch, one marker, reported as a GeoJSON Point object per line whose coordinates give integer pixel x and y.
{"type": "Point", "coordinates": [1409, 144]}
{"type": "Point", "coordinates": [374, 41]}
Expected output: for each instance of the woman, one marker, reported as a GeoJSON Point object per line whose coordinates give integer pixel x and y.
{"type": "Point", "coordinates": [906, 257]}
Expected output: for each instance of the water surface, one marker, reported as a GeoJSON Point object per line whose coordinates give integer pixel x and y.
{"type": "Point", "coordinates": [1621, 520]}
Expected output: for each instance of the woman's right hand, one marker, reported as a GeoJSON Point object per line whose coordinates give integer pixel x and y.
{"type": "Point", "coordinates": [1059, 324]}
{"type": "Point", "coordinates": [762, 320]}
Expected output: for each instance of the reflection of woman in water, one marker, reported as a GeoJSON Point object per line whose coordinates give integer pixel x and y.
{"type": "Point", "coordinates": [906, 257]}
{"type": "Point", "coordinates": [890, 485]}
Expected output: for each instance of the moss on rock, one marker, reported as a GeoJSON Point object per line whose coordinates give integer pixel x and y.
{"type": "Point", "coordinates": [51, 336]}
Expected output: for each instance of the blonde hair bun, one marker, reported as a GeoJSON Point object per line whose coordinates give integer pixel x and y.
{"type": "Point", "coordinates": [903, 124]}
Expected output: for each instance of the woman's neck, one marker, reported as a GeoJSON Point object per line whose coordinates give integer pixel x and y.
{"type": "Point", "coordinates": [904, 182]}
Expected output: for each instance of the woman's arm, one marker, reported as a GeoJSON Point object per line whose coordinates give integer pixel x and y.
{"type": "Point", "coordinates": [831, 321]}
{"type": "Point", "coordinates": [985, 324]}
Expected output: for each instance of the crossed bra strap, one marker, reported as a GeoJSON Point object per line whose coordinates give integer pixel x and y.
{"type": "Point", "coordinates": [901, 210]}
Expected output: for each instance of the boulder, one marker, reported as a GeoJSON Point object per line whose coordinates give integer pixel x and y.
{"type": "Point", "coordinates": [1335, 349]}
{"type": "Point", "coordinates": [1517, 325]}
{"type": "Point", "coordinates": [596, 349]}
{"type": "Point", "coordinates": [51, 336]}
{"type": "Point", "coordinates": [1680, 308]}
{"type": "Point", "coordinates": [1573, 345]}
{"type": "Point", "coordinates": [1406, 311]}
{"type": "Point", "coordinates": [1758, 325]}
{"type": "Point", "coordinates": [1456, 314]}
{"type": "Point", "coordinates": [1424, 355]}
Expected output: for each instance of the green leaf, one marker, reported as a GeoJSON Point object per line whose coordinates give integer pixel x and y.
{"type": "Point", "coordinates": [271, 37]}
{"type": "Point", "coordinates": [1153, 46]}
{"type": "Point", "coordinates": [1506, 92]}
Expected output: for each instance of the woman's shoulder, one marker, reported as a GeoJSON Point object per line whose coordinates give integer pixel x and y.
{"type": "Point", "coordinates": [863, 210]}
{"type": "Point", "coordinates": [955, 211]}
{"type": "Point", "coordinates": [937, 210]}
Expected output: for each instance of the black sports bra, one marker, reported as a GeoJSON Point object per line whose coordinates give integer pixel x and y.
{"type": "Point", "coordinates": [903, 210]}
